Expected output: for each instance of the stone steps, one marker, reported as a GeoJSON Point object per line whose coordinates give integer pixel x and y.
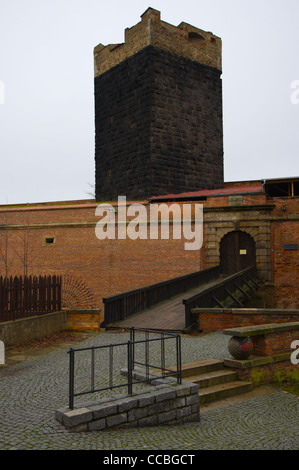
{"type": "Point", "coordinates": [215, 380]}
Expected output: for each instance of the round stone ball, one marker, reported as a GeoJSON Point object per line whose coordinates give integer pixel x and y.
{"type": "Point", "coordinates": [240, 348]}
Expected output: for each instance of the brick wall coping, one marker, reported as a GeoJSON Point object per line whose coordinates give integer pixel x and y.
{"type": "Point", "coordinates": [246, 311]}
{"type": "Point", "coordinates": [82, 310]}
{"type": "Point", "coordinates": [261, 329]}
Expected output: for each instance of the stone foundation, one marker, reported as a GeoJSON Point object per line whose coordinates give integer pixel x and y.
{"type": "Point", "coordinates": [163, 403]}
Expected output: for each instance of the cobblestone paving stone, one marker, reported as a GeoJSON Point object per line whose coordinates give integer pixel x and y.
{"type": "Point", "coordinates": [31, 391]}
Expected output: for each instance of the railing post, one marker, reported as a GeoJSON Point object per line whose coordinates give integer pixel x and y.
{"type": "Point", "coordinates": [71, 378]}
{"type": "Point", "coordinates": [130, 378]}
{"type": "Point", "coordinates": [92, 368]}
{"type": "Point", "coordinates": [146, 356]}
{"type": "Point", "coordinates": [162, 355]}
{"type": "Point", "coordinates": [132, 339]}
{"type": "Point", "coordinates": [179, 359]}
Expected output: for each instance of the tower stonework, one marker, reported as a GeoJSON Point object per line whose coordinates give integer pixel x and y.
{"type": "Point", "coordinates": [158, 111]}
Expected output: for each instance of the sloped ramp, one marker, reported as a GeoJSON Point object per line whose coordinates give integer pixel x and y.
{"type": "Point", "coordinates": [173, 314]}
{"type": "Point", "coordinates": [167, 316]}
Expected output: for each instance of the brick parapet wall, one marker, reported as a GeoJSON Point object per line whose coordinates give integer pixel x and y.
{"type": "Point", "coordinates": [273, 346]}
{"type": "Point", "coordinates": [219, 319]}
{"type": "Point", "coordinates": [274, 343]}
{"type": "Point", "coordinates": [184, 40]}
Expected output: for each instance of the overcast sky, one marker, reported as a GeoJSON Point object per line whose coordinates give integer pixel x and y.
{"type": "Point", "coordinates": [47, 107]}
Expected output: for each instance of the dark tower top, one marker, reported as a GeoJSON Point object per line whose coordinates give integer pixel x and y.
{"type": "Point", "coordinates": [158, 111]}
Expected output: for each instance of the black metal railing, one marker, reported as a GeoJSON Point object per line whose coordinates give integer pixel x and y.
{"type": "Point", "coordinates": [121, 306]}
{"type": "Point", "coordinates": [225, 288]}
{"type": "Point", "coordinates": [132, 359]}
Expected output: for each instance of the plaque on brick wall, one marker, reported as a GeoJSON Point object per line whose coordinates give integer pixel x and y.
{"type": "Point", "coordinates": [291, 246]}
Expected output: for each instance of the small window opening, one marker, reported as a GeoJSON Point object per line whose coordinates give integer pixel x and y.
{"type": "Point", "coordinates": [49, 240]}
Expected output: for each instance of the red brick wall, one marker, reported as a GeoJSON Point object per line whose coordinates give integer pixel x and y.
{"type": "Point", "coordinates": [274, 343]}
{"type": "Point", "coordinates": [105, 267]}
{"type": "Point", "coordinates": [266, 373]}
{"type": "Point", "coordinates": [285, 263]}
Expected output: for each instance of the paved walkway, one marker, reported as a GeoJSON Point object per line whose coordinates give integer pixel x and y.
{"type": "Point", "coordinates": [33, 389]}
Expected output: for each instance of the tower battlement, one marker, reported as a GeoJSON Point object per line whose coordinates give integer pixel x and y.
{"type": "Point", "coordinates": [184, 40]}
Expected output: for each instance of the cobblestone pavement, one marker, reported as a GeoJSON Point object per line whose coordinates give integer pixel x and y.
{"type": "Point", "coordinates": [32, 390]}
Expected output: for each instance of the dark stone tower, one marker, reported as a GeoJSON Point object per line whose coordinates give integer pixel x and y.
{"type": "Point", "coordinates": [158, 111]}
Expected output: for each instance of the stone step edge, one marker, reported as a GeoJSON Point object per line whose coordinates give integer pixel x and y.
{"type": "Point", "coordinates": [216, 392]}
{"type": "Point", "coordinates": [213, 378]}
{"type": "Point", "coordinates": [201, 367]}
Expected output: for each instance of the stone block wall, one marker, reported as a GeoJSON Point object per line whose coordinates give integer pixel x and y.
{"type": "Point", "coordinates": [36, 327]}
{"type": "Point", "coordinates": [165, 403]}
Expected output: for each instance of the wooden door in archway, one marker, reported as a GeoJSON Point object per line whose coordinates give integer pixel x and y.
{"type": "Point", "coordinates": [237, 252]}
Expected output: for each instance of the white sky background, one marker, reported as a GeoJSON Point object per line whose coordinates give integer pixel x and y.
{"type": "Point", "coordinates": [46, 65]}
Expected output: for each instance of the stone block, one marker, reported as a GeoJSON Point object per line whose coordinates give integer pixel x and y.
{"type": "Point", "coordinates": [101, 411]}
{"type": "Point", "coordinates": [167, 416]}
{"type": "Point", "coordinates": [192, 399]}
{"type": "Point", "coordinates": [127, 404]}
{"type": "Point", "coordinates": [165, 395]}
{"type": "Point", "coordinates": [146, 399]}
{"type": "Point", "coordinates": [183, 412]}
{"type": "Point", "coordinates": [78, 416]}
{"type": "Point", "coordinates": [148, 421]}
{"type": "Point", "coordinates": [97, 425]}
{"type": "Point", "coordinates": [137, 413]}
{"type": "Point", "coordinates": [116, 420]}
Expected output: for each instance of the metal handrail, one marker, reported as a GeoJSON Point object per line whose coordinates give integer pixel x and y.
{"type": "Point", "coordinates": [216, 293]}
{"type": "Point", "coordinates": [131, 362]}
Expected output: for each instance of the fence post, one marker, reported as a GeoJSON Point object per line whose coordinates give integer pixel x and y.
{"type": "Point", "coordinates": [179, 359]}
{"type": "Point", "coordinates": [130, 385]}
{"type": "Point", "coordinates": [132, 339]}
{"type": "Point", "coordinates": [92, 369]}
{"type": "Point", "coordinates": [71, 378]}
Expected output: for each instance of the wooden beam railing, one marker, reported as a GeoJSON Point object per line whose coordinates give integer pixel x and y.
{"type": "Point", "coordinates": [121, 306]}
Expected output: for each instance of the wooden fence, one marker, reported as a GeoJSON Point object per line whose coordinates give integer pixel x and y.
{"type": "Point", "coordinates": [24, 297]}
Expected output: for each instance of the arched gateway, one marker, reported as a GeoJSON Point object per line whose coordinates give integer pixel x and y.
{"type": "Point", "coordinates": [237, 252]}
